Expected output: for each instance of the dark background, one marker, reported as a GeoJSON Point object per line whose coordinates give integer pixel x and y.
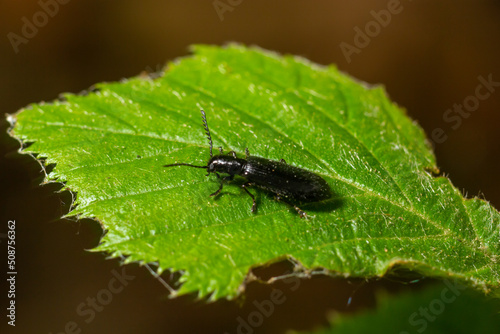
{"type": "Point", "coordinates": [428, 57]}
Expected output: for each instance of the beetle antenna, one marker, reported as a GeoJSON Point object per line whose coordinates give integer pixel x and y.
{"type": "Point", "coordinates": [205, 125]}
{"type": "Point", "coordinates": [182, 164]}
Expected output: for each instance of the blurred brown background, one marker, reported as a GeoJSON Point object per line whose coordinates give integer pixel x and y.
{"type": "Point", "coordinates": [429, 57]}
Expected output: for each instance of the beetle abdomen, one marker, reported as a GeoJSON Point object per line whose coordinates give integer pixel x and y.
{"type": "Point", "coordinates": [287, 181]}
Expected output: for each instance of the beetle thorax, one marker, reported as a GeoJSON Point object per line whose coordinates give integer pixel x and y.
{"type": "Point", "coordinates": [226, 164]}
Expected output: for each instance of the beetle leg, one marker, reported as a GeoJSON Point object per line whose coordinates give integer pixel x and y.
{"type": "Point", "coordinates": [220, 150]}
{"type": "Point", "coordinates": [247, 153]}
{"type": "Point", "coordinates": [244, 186]}
{"type": "Point", "coordinates": [226, 178]}
{"type": "Point", "coordinates": [301, 213]}
{"type": "Point", "coordinates": [233, 153]}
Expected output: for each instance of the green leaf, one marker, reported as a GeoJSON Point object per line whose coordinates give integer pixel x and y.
{"type": "Point", "coordinates": [443, 308]}
{"type": "Point", "coordinates": [110, 147]}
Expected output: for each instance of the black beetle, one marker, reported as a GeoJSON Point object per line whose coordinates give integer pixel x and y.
{"type": "Point", "coordinates": [290, 184]}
